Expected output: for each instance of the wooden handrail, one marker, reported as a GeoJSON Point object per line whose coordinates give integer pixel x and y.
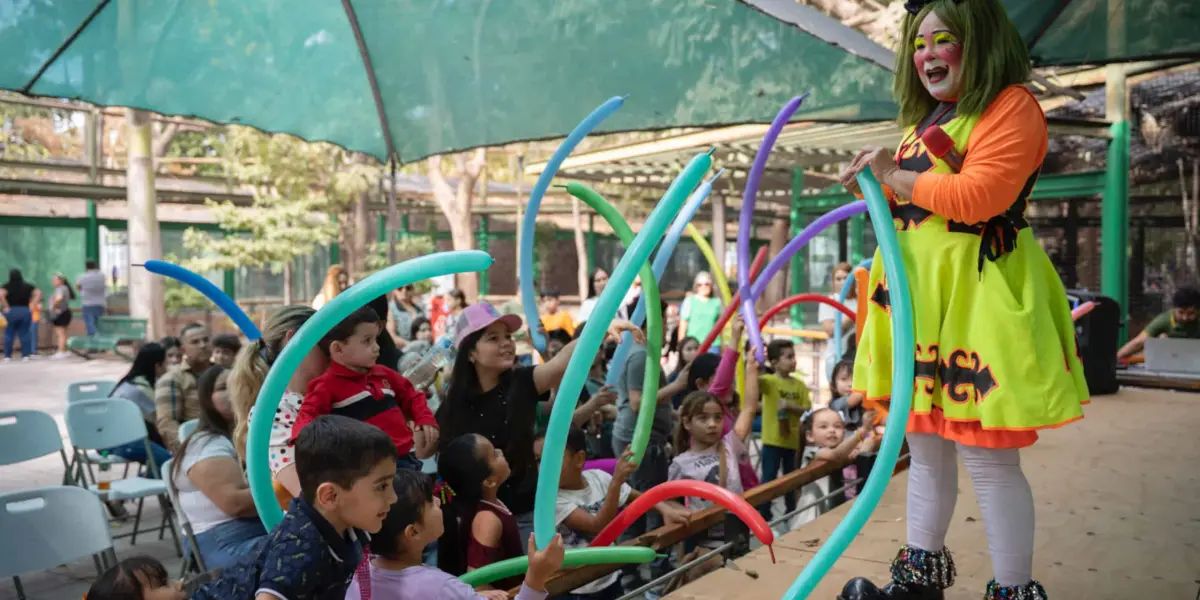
{"type": "Point", "coordinates": [667, 536]}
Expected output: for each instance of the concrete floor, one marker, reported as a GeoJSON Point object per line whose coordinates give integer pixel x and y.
{"type": "Point", "coordinates": [1118, 516]}
{"type": "Point", "coordinates": [42, 385]}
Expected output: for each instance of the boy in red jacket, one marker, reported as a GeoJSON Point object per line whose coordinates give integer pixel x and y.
{"type": "Point", "coordinates": [354, 386]}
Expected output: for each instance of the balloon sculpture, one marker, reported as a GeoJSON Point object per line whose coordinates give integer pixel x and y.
{"type": "Point", "coordinates": [206, 287]}
{"type": "Point", "coordinates": [396, 276]}
{"type": "Point", "coordinates": [525, 252]}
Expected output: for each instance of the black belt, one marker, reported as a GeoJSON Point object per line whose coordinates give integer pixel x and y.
{"type": "Point", "coordinates": [998, 235]}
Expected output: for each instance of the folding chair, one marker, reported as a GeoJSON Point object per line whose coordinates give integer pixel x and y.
{"type": "Point", "coordinates": [109, 422]}
{"type": "Point", "coordinates": [46, 527]}
{"type": "Point", "coordinates": [192, 559]}
{"type": "Point", "coordinates": [90, 390]}
{"type": "Point", "coordinates": [29, 434]}
{"type": "Point", "coordinates": [186, 428]}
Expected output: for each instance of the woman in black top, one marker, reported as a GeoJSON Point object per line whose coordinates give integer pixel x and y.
{"type": "Point", "coordinates": [15, 298]}
{"type": "Point", "coordinates": [491, 396]}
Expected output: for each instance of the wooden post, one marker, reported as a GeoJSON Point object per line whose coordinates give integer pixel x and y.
{"type": "Point", "coordinates": [145, 289]}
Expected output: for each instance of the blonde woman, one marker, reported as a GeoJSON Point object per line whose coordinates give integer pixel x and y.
{"type": "Point", "coordinates": [249, 371]}
{"type": "Point", "coordinates": [336, 282]}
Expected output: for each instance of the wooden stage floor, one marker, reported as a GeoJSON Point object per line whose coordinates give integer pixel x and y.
{"type": "Point", "coordinates": [1118, 515]}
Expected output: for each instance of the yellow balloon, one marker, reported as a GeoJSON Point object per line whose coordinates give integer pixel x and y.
{"type": "Point", "coordinates": [718, 270]}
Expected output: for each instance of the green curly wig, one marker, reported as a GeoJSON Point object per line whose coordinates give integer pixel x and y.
{"type": "Point", "coordinates": [994, 57]}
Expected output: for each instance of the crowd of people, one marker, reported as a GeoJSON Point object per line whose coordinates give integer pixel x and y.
{"type": "Point", "coordinates": [441, 478]}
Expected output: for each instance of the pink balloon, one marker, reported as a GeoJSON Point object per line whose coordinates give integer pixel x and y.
{"type": "Point", "coordinates": [608, 465]}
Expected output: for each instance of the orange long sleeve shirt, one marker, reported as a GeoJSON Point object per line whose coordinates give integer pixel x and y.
{"type": "Point", "coordinates": [999, 160]}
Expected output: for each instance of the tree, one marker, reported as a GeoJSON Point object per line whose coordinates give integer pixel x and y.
{"type": "Point", "coordinates": [455, 200]}
{"type": "Point", "coordinates": [297, 186]}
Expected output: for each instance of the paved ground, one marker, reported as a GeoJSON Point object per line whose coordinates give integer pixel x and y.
{"type": "Point", "coordinates": [42, 385]}
{"type": "Point", "coordinates": [1117, 516]}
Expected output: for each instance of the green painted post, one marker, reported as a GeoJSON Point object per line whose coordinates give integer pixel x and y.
{"type": "Point", "coordinates": [591, 244]}
{"type": "Point", "coordinates": [1114, 223]}
{"type": "Point", "coordinates": [231, 283]}
{"type": "Point", "coordinates": [858, 240]}
{"type": "Point", "coordinates": [335, 251]}
{"type": "Point", "coordinates": [93, 232]}
{"type": "Point", "coordinates": [381, 229]}
{"type": "Point", "coordinates": [797, 262]}
{"type": "Point", "coordinates": [404, 231]}
{"type": "Point", "coordinates": [482, 238]}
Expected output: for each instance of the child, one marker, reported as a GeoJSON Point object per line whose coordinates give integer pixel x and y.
{"type": "Point", "coordinates": [354, 386]}
{"type": "Point", "coordinates": [588, 501]}
{"type": "Point", "coordinates": [826, 439]}
{"type": "Point", "coordinates": [847, 405]}
{"type": "Point", "coordinates": [707, 454]}
{"type": "Point", "coordinates": [415, 521]}
{"type": "Point", "coordinates": [137, 578]}
{"type": "Point", "coordinates": [687, 353]}
{"type": "Point", "coordinates": [225, 349]}
{"type": "Point", "coordinates": [480, 529]}
{"type": "Point", "coordinates": [784, 399]}
{"type": "Point", "coordinates": [553, 317]}
{"type": "Point", "coordinates": [346, 468]}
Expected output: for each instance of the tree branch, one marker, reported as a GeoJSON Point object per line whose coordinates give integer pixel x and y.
{"type": "Point", "coordinates": [163, 134]}
{"type": "Point", "coordinates": [443, 194]}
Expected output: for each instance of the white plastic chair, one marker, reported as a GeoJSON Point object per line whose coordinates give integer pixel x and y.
{"type": "Point", "coordinates": [109, 422]}
{"type": "Point", "coordinates": [29, 434]}
{"type": "Point", "coordinates": [46, 527]}
{"type": "Point", "coordinates": [186, 428]}
{"type": "Point", "coordinates": [193, 560]}
{"type": "Point", "coordinates": [91, 390]}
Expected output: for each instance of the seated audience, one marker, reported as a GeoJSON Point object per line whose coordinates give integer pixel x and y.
{"type": "Point", "coordinates": [346, 469]}
{"type": "Point", "coordinates": [137, 386]}
{"type": "Point", "coordinates": [175, 393]}
{"type": "Point", "coordinates": [355, 386]}
{"type": "Point", "coordinates": [174, 350]}
{"type": "Point", "coordinates": [415, 521]}
{"type": "Point", "coordinates": [225, 348]}
{"type": "Point", "coordinates": [213, 493]}
{"type": "Point", "coordinates": [137, 578]}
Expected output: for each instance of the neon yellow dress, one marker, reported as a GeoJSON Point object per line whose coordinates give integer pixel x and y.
{"type": "Point", "coordinates": [996, 355]}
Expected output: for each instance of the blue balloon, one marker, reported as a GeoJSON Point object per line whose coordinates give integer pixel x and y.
{"type": "Point", "coordinates": [212, 292]}
{"type": "Point", "coordinates": [837, 320]}
{"type": "Point", "coordinates": [903, 366]}
{"type": "Point", "coordinates": [258, 472]}
{"type": "Point", "coordinates": [525, 252]}
{"type": "Point", "coordinates": [621, 356]}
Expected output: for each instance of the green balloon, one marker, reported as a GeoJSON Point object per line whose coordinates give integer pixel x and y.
{"type": "Point", "coordinates": [572, 558]}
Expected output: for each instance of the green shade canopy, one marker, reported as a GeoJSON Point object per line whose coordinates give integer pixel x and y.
{"type": "Point", "coordinates": [443, 75]}
{"type": "Point", "coordinates": [1074, 32]}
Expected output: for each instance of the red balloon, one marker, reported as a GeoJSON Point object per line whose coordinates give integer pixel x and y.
{"type": "Point", "coordinates": [686, 487]}
{"type": "Point", "coordinates": [759, 259]}
{"type": "Point", "coordinates": [807, 297]}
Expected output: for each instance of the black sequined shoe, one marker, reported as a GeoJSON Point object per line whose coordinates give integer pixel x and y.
{"type": "Point", "coordinates": [1030, 591]}
{"type": "Point", "coordinates": [916, 575]}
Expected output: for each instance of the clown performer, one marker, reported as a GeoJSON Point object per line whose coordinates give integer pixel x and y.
{"type": "Point", "coordinates": [995, 346]}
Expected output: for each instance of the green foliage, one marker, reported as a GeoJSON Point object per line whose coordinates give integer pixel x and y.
{"type": "Point", "coordinates": [544, 234]}
{"type": "Point", "coordinates": [209, 143]}
{"type": "Point", "coordinates": [406, 248]}
{"type": "Point", "coordinates": [177, 296]}
{"type": "Point", "coordinates": [297, 187]}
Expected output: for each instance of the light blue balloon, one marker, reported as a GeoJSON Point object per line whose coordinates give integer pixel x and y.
{"type": "Point", "coordinates": [593, 334]}
{"type": "Point", "coordinates": [212, 292]}
{"type": "Point", "coordinates": [528, 223]}
{"type": "Point", "coordinates": [617, 365]}
{"type": "Point", "coordinates": [903, 356]}
{"type": "Point", "coordinates": [837, 320]}
{"type": "Point", "coordinates": [258, 472]}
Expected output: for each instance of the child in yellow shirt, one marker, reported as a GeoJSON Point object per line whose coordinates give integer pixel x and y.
{"type": "Point", "coordinates": [784, 400]}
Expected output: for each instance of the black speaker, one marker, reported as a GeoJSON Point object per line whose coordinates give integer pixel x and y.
{"type": "Point", "coordinates": [1097, 334]}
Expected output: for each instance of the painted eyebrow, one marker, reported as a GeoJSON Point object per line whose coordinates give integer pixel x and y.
{"type": "Point", "coordinates": [935, 32]}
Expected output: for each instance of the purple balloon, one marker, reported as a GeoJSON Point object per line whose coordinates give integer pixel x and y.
{"type": "Point", "coordinates": [814, 229]}
{"type": "Point", "coordinates": [608, 465]}
{"type": "Point", "coordinates": [745, 223]}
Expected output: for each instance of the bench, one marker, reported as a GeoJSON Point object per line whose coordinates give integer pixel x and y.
{"type": "Point", "coordinates": [111, 333]}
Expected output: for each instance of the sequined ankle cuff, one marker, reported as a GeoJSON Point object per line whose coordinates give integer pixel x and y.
{"type": "Point", "coordinates": [922, 567]}
{"type": "Point", "coordinates": [1030, 591]}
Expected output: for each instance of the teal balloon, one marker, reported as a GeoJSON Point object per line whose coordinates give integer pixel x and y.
{"type": "Point", "coordinates": [258, 471]}
{"type": "Point", "coordinates": [593, 334]}
{"type": "Point", "coordinates": [903, 356]}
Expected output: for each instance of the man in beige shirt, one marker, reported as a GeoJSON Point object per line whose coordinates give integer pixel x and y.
{"type": "Point", "coordinates": [175, 396]}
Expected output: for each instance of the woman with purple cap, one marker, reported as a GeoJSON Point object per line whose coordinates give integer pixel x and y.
{"type": "Point", "coordinates": [491, 396]}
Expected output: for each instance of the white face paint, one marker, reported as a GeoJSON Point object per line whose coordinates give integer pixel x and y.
{"type": "Point", "coordinates": [937, 57]}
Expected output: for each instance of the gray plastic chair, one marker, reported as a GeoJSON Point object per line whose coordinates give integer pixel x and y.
{"type": "Point", "coordinates": [109, 422]}
{"type": "Point", "coordinates": [186, 428]}
{"type": "Point", "coordinates": [46, 527]}
{"type": "Point", "coordinates": [192, 559]}
{"type": "Point", "coordinates": [29, 434]}
{"type": "Point", "coordinates": [89, 390]}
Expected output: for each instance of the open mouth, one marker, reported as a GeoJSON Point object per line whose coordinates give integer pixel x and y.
{"type": "Point", "coordinates": [936, 74]}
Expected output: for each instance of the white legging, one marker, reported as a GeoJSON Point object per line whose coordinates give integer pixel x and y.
{"type": "Point", "coordinates": [1004, 499]}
